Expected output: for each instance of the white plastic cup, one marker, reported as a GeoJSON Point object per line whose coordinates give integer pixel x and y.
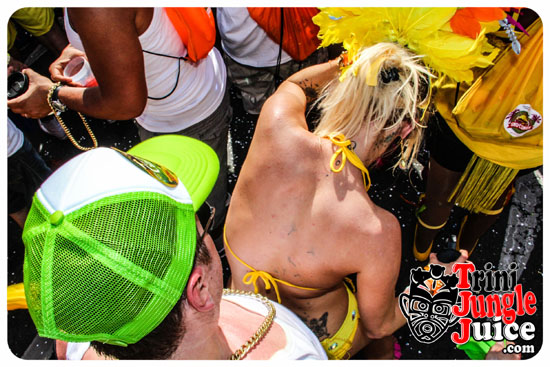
{"type": "Point", "coordinates": [79, 70]}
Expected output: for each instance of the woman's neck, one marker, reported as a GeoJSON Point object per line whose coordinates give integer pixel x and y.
{"type": "Point", "coordinates": [362, 146]}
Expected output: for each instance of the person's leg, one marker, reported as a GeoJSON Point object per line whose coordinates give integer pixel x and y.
{"type": "Point", "coordinates": [26, 172]}
{"type": "Point", "coordinates": [288, 68]}
{"type": "Point", "coordinates": [40, 22]}
{"type": "Point", "coordinates": [55, 39]}
{"type": "Point", "coordinates": [255, 85]}
{"type": "Point", "coordinates": [20, 217]}
{"type": "Point", "coordinates": [143, 133]}
{"type": "Point", "coordinates": [440, 184]}
{"type": "Point", "coordinates": [449, 158]}
{"type": "Point", "coordinates": [475, 225]}
{"type": "Point", "coordinates": [214, 131]}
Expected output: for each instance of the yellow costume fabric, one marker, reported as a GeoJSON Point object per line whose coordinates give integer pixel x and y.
{"type": "Point", "coordinates": [16, 297]}
{"type": "Point", "coordinates": [478, 119]}
{"type": "Point", "coordinates": [426, 31]}
{"type": "Point", "coordinates": [499, 118]}
{"type": "Point", "coordinates": [37, 21]}
{"type": "Point", "coordinates": [336, 346]}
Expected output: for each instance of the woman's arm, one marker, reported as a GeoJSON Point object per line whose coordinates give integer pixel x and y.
{"type": "Point", "coordinates": [287, 105]}
{"type": "Point", "coordinates": [314, 78]}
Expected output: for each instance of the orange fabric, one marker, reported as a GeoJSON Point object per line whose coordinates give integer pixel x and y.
{"type": "Point", "coordinates": [196, 28]}
{"type": "Point", "coordinates": [299, 32]}
{"type": "Point", "coordinates": [466, 20]}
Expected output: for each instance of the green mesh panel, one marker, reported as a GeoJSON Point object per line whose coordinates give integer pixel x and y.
{"type": "Point", "coordinates": [144, 233]}
{"type": "Point", "coordinates": [93, 297]}
{"type": "Point", "coordinates": [33, 259]}
{"type": "Point", "coordinates": [112, 300]}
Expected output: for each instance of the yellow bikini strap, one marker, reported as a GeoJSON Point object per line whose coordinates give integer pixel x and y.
{"type": "Point", "coordinates": [343, 143]}
{"type": "Point", "coordinates": [252, 276]}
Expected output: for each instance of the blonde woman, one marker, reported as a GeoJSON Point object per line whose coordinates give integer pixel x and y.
{"type": "Point", "coordinates": [301, 219]}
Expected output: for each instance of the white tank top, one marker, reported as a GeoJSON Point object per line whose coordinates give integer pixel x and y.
{"type": "Point", "coordinates": [201, 85]}
{"type": "Point", "coordinates": [245, 41]}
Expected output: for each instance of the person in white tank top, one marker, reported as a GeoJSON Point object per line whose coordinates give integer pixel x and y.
{"type": "Point", "coordinates": [132, 82]}
{"type": "Point", "coordinates": [125, 48]}
{"type": "Point", "coordinates": [252, 57]}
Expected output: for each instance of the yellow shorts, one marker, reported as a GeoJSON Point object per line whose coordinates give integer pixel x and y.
{"type": "Point", "coordinates": [338, 345]}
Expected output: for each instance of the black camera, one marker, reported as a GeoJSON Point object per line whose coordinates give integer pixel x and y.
{"type": "Point", "coordinates": [18, 83]}
{"type": "Point", "coordinates": [448, 255]}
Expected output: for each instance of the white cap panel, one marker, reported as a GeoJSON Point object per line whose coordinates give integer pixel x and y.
{"type": "Point", "coordinates": [96, 174]}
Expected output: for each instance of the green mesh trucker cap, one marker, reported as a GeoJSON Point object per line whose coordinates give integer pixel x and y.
{"type": "Point", "coordinates": [110, 239]}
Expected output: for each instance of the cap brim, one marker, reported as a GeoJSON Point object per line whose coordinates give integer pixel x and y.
{"type": "Point", "coordinates": [194, 162]}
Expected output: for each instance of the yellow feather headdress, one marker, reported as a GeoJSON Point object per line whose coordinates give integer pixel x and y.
{"type": "Point", "coordinates": [425, 31]}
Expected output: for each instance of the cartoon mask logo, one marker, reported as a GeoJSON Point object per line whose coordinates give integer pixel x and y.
{"type": "Point", "coordinates": [428, 306]}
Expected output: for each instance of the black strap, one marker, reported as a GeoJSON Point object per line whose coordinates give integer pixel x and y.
{"type": "Point", "coordinates": [278, 67]}
{"type": "Point", "coordinates": [179, 58]}
{"type": "Point", "coordinates": [456, 92]}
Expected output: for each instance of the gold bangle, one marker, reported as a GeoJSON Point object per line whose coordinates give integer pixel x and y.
{"type": "Point", "coordinates": [427, 226]}
{"type": "Point", "coordinates": [50, 94]}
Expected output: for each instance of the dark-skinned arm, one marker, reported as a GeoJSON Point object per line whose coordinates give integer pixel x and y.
{"type": "Point", "coordinates": [111, 43]}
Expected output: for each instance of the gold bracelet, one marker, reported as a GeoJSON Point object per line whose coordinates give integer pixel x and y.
{"type": "Point", "coordinates": [62, 123]}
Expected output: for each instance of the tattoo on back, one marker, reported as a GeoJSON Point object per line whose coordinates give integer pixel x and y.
{"type": "Point", "coordinates": [310, 89]}
{"type": "Point", "coordinates": [318, 326]}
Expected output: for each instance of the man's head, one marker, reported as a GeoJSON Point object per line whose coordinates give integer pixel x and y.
{"type": "Point", "coordinates": [110, 240]}
{"type": "Point", "coordinates": [383, 94]}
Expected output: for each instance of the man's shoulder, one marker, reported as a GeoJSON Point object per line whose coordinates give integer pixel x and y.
{"type": "Point", "coordinates": [301, 343]}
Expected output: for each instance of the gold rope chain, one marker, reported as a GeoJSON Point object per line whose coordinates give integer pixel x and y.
{"type": "Point", "coordinates": [62, 123]}
{"type": "Point", "coordinates": [262, 330]}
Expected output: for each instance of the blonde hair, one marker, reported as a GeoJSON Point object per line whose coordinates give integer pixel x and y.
{"type": "Point", "coordinates": [351, 105]}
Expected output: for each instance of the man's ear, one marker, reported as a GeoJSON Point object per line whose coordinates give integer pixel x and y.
{"type": "Point", "coordinates": [198, 293]}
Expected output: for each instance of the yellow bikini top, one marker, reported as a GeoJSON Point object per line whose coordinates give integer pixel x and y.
{"type": "Point", "coordinates": [344, 150]}
{"type": "Point", "coordinates": [252, 276]}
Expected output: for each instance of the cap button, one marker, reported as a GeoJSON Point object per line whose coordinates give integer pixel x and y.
{"type": "Point", "coordinates": [57, 217]}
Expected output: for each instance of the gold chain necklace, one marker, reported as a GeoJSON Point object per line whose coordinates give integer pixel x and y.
{"type": "Point", "coordinates": [262, 330]}
{"type": "Point", "coordinates": [62, 123]}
